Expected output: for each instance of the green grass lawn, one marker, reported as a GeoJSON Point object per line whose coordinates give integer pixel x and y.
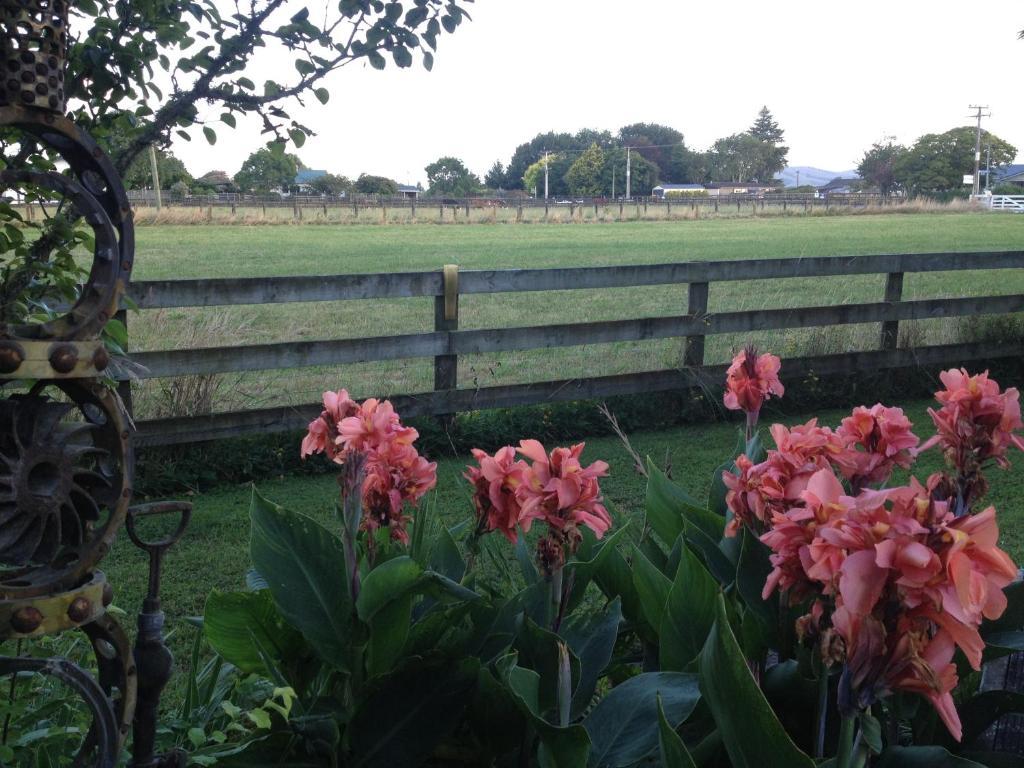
{"type": "Point", "coordinates": [223, 251]}
{"type": "Point", "coordinates": [214, 551]}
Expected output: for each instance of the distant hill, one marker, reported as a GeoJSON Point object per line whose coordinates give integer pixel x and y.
{"type": "Point", "coordinates": [814, 176]}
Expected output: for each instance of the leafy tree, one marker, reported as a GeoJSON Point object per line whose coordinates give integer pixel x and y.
{"type": "Point", "coordinates": [765, 128]}
{"type": "Point", "coordinates": [533, 150]}
{"type": "Point", "coordinates": [496, 177]}
{"type": "Point", "coordinates": [207, 53]}
{"type": "Point", "coordinates": [170, 169]}
{"type": "Point", "coordinates": [266, 171]}
{"type": "Point", "coordinates": [330, 184]}
{"type": "Point", "coordinates": [376, 185]}
{"type": "Point", "coordinates": [738, 158]}
{"type": "Point", "coordinates": [584, 176]}
{"type": "Point", "coordinates": [938, 161]}
{"type": "Point", "coordinates": [877, 167]}
{"type": "Point", "coordinates": [450, 176]}
{"type": "Point", "coordinates": [656, 143]}
{"type": "Point", "coordinates": [686, 167]}
{"type": "Point", "coordinates": [644, 174]}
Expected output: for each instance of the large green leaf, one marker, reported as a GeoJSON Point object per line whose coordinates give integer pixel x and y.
{"type": "Point", "coordinates": [445, 557]}
{"type": "Point", "coordinates": [623, 727]}
{"type": "Point", "coordinates": [670, 509]}
{"type": "Point", "coordinates": [385, 604]}
{"type": "Point", "coordinates": [980, 711]}
{"type": "Point", "coordinates": [302, 563]}
{"type": "Point", "coordinates": [385, 584]}
{"type": "Point", "coordinates": [710, 550]}
{"type": "Point", "coordinates": [242, 626]}
{"type": "Point", "coordinates": [923, 757]}
{"type": "Point", "coordinates": [615, 579]}
{"type": "Point", "coordinates": [495, 716]}
{"type": "Point", "coordinates": [689, 613]}
{"type": "Point", "coordinates": [560, 747]}
{"type": "Point", "coordinates": [538, 650]}
{"type": "Point", "coordinates": [752, 734]}
{"type": "Point", "coordinates": [584, 569]}
{"type": "Point", "coordinates": [652, 587]}
{"type": "Point", "coordinates": [525, 560]}
{"type": "Point", "coordinates": [591, 637]}
{"type": "Point", "coordinates": [671, 749]}
{"type": "Point", "coordinates": [751, 575]}
{"type": "Point", "coordinates": [411, 710]}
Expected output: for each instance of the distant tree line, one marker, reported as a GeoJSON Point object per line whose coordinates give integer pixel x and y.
{"type": "Point", "coordinates": [593, 163]}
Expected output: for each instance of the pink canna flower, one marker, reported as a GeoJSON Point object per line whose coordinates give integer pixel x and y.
{"type": "Point", "coordinates": [323, 430]}
{"type": "Point", "coordinates": [752, 379]}
{"type": "Point", "coordinates": [875, 440]}
{"type": "Point", "coordinates": [395, 473]}
{"type": "Point", "coordinates": [555, 488]}
{"type": "Point", "coordinates": [975, 426]}
{"type": "Point", "coordinates": [561, 491]}
{"type": "Point", "coordinates": [495, 482]}
{"type": "Point", "coordinates": [758, 492]}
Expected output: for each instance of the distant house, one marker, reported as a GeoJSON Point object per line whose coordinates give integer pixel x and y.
{"type": "Point", "coordinates": [405, 190]}
{"type": "Point", "coordinates": [663, 191]}
{"type": "Point", "coordinates": [1009, 174]}
{"type": "Point", "coordinates": [722, 188]}
{"type": "Point", "coordinates": [840, 186]}
{"type": "Point", "coordinates": [304, 179]}
{"type": "Point", "coordinates": [218, 181]}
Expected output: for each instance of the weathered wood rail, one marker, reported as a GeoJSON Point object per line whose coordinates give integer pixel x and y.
{"type": "Point", "coordinates": [446, 342]}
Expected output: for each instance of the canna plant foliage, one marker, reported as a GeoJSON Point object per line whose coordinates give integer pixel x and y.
{"type": "Point", "coordinates": [803, 614]}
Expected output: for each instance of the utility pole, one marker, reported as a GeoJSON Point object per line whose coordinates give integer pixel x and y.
{"type": "Point", "coordinates": [798, 177]}
{"type": "Point", "coordinates": [613, 181]}
{"type": "Point", "coordinates": [628, 173]}
{"type": "Point", "coordinates": [977, 146]}
{"type": "Point", "coordinates": [156, 175]}
{"type": "Point", "coordinates": [545, 174]}
{"type": "Point", "coordinates": [988, 165]}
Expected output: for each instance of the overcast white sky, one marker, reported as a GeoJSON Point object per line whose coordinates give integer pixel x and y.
{"type": "Point", "coordinates": [837, 76]}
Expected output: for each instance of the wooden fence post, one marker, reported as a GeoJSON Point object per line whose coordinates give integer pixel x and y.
{"type": "Point", "coordinates": [124, 388]}
{"type": "Point", "coordinates": [446, 318]}
{"type": "Point", "coordinates": [893, 294]}
{"type": "Point", "coordinates": [412, 207]}
{"type": "Point", "coordinates": [716, 205]}
{"type": "Point", "coordinates": [519, 213]}
{"type": "Point", "coordinates": [696, 307]}
{"type": "Point", "coordinates": [620, 210]}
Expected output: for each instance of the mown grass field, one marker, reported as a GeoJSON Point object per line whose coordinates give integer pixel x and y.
{"type": "Point", "coordinates": [224, 251]}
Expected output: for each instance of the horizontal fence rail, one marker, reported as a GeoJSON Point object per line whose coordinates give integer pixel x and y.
{"type": "Point", "coordinates": [166, 294]}
{"type": "Point", "coordinates": [446, 342]}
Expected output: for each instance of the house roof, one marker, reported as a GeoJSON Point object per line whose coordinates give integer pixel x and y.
{"type": "Point", "coordinates": [1007, 172]}
{"type": "Point", "coordinates": [838, 183]}
{"type": "Point", "coordinates": [306, 175]}
{"type": "Point", "coordinates": [679, 186]}
{"type": "Point", "coordinates": [739, 184]}
{"type": "Point", "coordinates": [407, 188]}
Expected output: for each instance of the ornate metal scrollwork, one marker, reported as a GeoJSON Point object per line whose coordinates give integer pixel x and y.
{"type": "Point", "coordinates": [66, 460]}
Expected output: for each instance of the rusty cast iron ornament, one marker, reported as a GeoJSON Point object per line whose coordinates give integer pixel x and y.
{"type": "Point", "coordinates": [66, 460]}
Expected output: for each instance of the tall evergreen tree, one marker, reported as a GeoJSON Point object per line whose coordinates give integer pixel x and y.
{"type": "Point", "coordinates": [766, 128]}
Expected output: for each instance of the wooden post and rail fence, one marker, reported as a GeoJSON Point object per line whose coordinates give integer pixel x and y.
{"type": "Point", "coordinates": [446, 342]}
